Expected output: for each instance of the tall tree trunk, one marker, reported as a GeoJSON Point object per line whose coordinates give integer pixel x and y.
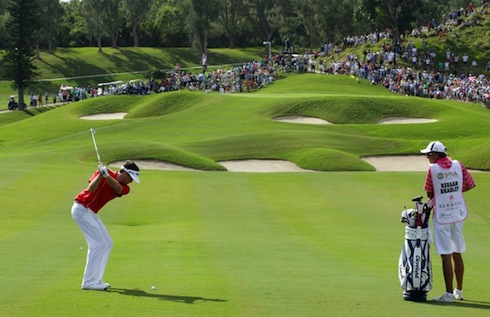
{"type": "Point", "coordinates": [22, 104]}
{"type": "Point", "coordinates": [38, 54]}
{"type": "Point", "coordinates": [99, 43]}
{"type": "Point", "coordinates": [114, 40]}
{"type": "Point", "coordinates": [263, 22]}
{"type": "Point", "coordinates": [50, 46]}
{"type": "Point", "coordinates": [135, 35]}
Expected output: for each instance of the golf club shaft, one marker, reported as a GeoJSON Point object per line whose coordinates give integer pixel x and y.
{"type": "Point", "coordinates": [92, 131]}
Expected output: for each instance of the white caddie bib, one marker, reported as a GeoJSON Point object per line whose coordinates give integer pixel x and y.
{"type": "Point", "coordinates": [450, 206]}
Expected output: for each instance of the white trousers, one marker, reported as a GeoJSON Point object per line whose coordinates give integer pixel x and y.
{"type": "Point", "coordinates": [99, 244]}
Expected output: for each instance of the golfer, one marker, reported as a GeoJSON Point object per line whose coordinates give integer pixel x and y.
{"type": "Point", "coordinates": [445, 183]}
{"type": "Point", "coordinates": [104, 185]}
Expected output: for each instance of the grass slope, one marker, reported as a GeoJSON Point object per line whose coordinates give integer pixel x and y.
{"type": "Point", "coordinates": [233, 244]}
{"type": "Point", "coordinates": [220, 126]}
{"type": "Point", "coordinates": [86, 67]}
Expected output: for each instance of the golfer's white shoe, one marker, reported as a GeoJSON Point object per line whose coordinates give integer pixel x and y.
{"type": "Point", "coordinates": [446, 297]}
{"type": "Point", "coordinates": [96, 287]}
{"type": "Point", "coordinates": [458, 294]}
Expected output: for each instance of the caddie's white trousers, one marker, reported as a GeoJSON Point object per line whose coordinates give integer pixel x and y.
{"type": "Point", "coordinates": [99, 244]}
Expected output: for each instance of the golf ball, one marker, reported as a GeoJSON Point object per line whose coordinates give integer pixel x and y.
{"type": "Point", "coordinates": [153, 287]}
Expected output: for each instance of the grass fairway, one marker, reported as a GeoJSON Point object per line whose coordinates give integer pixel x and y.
{"type": "Point", "coordinates": [218, 243]}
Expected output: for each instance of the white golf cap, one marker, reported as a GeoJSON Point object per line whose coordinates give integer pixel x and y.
{"type": "Point", "coordinates": [434, 146]}
{"type": "Point", "coordinates": [135, 175]}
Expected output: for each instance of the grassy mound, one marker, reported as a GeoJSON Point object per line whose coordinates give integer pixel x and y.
{"type": "Point", "coordinates": [239, 126]}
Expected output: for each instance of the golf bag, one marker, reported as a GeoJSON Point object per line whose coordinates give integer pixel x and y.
{"type": "Point", "coordinates": [415, 268]}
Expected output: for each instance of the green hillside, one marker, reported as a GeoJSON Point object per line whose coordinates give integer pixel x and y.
{"type": "Point", "coordinates": [322, 242]}
{"type": "Point", "coordinates": [219, 127]}
{"type": "Point", "coordinates": [86, 67]}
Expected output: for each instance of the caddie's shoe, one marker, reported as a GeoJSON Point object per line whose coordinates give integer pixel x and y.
{"type": "Point", "coordinates": [97, 287]}
{"type": "Point", "coordinates": [446, 297]}
{"type": "Point", "coordinates": [458, 294]}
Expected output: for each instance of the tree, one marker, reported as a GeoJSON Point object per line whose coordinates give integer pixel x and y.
{"type": "Point", "coordinates": [229, 17]}
{"type": "Point", "coordinates": [165, 21]}
{"type": "Point", "coordinates": [395, 14]}
{"type": "Point", "coordinates": [334, 20]}
{"type": "Point", "coordinates": [198, 21]}
{"type": "Point", "coordinates": [136, 10]}
{"type": "Point", "coordinates": [73, 27]}
{"type": "Point", "coordinates": [262, 10]}
{"type": "Point", "coordinates": [284, 18]}
{"type": "Point", "coordinates": [3, 20]}
{"type": "Point", "coordinates": [113, 17]}
{"type": "Point", "coordinates": [305, 12]}
{"type": "Point", "coordinates": [92, 11]}
{"type": "Point", "coordinates": [50, 17]}
{"type": "Point", "coordinates": [18, 62]}
{"type": "Point", "coordinates": [218, 23]}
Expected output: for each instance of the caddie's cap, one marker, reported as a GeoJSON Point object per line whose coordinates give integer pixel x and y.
{"type": "Point", "coordinates": [434, 146]}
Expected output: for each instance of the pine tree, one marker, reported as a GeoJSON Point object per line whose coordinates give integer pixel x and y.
{"type": "Point", "coordinates": [18, 62]}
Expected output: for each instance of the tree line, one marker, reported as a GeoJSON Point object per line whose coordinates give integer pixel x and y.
{"type": "Point", "coordinates": [218, 23]}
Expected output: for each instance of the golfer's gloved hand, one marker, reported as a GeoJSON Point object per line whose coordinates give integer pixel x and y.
{"type": "Point", "coordinates": [103, 171]}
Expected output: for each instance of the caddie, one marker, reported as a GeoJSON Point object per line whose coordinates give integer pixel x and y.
{"type": "Point", "coordinates": [445, 183]}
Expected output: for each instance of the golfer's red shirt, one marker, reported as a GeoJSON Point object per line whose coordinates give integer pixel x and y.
{"type": "Point", "coordinates": [104, 193]}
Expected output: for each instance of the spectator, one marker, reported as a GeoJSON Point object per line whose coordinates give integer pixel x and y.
{"type": "Point", "coordinates": [465, 60]}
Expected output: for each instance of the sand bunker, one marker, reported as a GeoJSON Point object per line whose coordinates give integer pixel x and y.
{"type": "Point", "coordinates": [290, 119]}
{"type": "Point", "coordinates": [261, 166]}
{"type": "Point", "coordinates": [398, 163]}
{"type": "Point", "coordinates": [105, 116]}
{"type": "Point", "coordinates": [251, 166]}
{"type": "Point", "coordinates": [388, 163]}
{"type": "Point", "coordinates": [404, 120]}
{"type": "Point", "coordinates": [301, 119]}
{"type": "Point", "coordinates": [154, 165]}
{"type": "Point", "coordinates": [388, 120]}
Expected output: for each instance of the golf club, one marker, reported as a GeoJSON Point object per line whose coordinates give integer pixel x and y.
{"type": "Point", "coordinates": [92, 131]}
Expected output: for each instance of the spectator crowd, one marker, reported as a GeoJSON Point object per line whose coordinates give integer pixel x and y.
{"type": "Point", "coordinates": [449, 77]}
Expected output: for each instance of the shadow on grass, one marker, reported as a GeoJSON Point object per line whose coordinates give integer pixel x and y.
{"type": "Point", "coordinates": [463, 303]}
{"type": "Point", "coordinates": [39, 109]}
{"type": "Point", "coordinates": [28, 112]}
{"type": "Point", "coordinates": [69, 67]}
{"type": "Point", "coordinates": [172, 298]}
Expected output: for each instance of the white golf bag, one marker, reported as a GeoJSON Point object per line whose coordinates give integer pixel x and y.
{"type": "Point", "coordinates": [415, 268]}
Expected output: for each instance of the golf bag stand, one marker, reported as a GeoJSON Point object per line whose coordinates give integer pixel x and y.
{"type": "Point", "coordinates": [414, 266]}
